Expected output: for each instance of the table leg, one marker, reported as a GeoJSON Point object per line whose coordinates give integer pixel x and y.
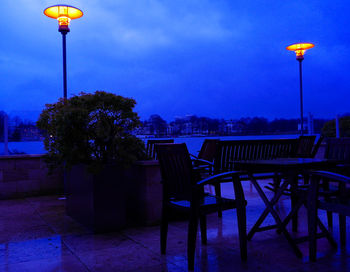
{"type": "Point", "coordinates": [293, 181]}
{"type": "Point", "coordinates": [267, 210]}
{"type": "Point", "coordinates": [270, 209]}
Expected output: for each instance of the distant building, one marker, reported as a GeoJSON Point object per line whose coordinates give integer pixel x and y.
{"type": "Point", "coordinates": [31, 133]}
{"type": "Point", "coordinates": [232, 127]}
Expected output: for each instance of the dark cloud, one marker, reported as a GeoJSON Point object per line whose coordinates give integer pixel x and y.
{"type": "Point", "coordinates": [214, 58]}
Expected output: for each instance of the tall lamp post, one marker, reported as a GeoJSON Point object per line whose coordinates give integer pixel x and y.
{"type": "Point", "coordinates": [299, 49]}
{"type": "Point", "coordinates": [64, 14]}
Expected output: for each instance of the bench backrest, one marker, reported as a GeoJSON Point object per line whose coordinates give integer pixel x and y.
{"type": "Point", "coordinates": [238, 150]}
{"type": "Point", "coordinates": [305, 146]}
{"type": "Point", "coordinates": [150, 147]}
{"type": "Point", "coordinates": [338, 149]}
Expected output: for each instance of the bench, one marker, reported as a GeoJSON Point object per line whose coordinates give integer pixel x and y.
{"type": "Point", "coordinates": [237, 150]}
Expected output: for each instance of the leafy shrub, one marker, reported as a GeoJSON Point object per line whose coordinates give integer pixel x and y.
{"type": "Point", "coordinates": [93, 129]}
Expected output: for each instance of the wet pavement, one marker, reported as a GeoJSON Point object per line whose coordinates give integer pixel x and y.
{"type": "Point", "coordinates": [37, 235]}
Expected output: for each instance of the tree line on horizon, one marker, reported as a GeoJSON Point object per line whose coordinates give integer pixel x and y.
{"type": "Point", "coordinates": [193, 124]}
{"type": "Point", "coordinates": [20, 129]}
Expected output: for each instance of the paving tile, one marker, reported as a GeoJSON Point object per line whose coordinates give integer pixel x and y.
{"type": "Point", "coordinates": [67, 263]}
{"type": "Point", "coordinates": [63, 224]}
{"type": "Point", "coordinates": [25, 233]}
{"type": "Point", "coordinates": [91, 242]}
{"type": "Point", "coordinates": [126, 256]}
{"type": "Point", "coordinates": [37, 235]}
{"type": "Point", "coordinates": [32, 250]}
{"type": "Point", "coordinates": [163, 267]}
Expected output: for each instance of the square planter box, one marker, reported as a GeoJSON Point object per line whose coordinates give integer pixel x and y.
{"type": "Point", "coordinates": [115, 198]}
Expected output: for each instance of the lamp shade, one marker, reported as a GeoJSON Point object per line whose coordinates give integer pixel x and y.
{"type": "Point", "coordinates": [300, 49]}
{"type": "Point", "coordinates": [64, 14]}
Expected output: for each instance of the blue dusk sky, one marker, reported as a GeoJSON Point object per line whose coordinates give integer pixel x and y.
{"type": "Point", "coordinates": [215, 58]}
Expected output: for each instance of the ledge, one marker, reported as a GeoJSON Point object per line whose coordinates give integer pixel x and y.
{"type": "Point", "coordinates": [21, 156]}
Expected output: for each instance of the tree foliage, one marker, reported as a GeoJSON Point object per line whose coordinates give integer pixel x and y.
{"type": "Point", "coordinates": [328, 129]}
{"type": "Point", "coordinates": [94, 129]}
{"type": "Point", "coordinates": [158, 125]}
{"type": "Point", "coordinates": [2, 120]}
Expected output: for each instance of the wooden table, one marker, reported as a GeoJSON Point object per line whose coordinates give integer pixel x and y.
{"type": "Point", "coordinates": [289, 168]}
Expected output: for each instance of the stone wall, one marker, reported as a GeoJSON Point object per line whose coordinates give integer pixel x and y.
{"type": "Point", "coordinates": [27, 175]}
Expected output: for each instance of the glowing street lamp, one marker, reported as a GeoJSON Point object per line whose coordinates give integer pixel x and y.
{"type": "Point", "coordinates": [300, 49]}
{"type": "Point", "coordinates": [64, 14]}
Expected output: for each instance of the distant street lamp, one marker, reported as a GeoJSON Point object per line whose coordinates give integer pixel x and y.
{"type": "Point", "coordinates": [300, 49]}
{"type": "Point", "coordinates": [64, 14]}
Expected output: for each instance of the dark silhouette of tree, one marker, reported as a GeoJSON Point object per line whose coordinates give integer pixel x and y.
{"type": "Point", "coordinates": [2, 121]}
{"type": "Point", "coordinates": [158, 125]}
{"type": "Point", "coordinates": [257, 125]}
{"type": "Point", "coordinates": [16, 135]}
{"type": "Point", "coordinates": [328, 129]}
{"type": "Point", "coordinates": [283, 125]}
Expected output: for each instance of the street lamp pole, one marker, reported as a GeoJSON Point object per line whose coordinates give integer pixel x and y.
{"type": "Point", "coordinates": [64, 14]}
{"type": "Point", "coordinates": [301, 97]}
{"type": "Point", "coordinates": [64, 33]}
{"type": "Point", "coordinates": [300, 49]}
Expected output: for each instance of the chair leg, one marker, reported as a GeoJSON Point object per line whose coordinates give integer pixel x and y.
{"type": "Point", "coordinates": [325, 186]}
{"type": "Point", "coordinates": [312, 219]}
{"type": "Point", "coordinates": [203, 227]}
{"type": "Point", "coordinates": [276, 183]}
{"type": "Point", "coordinates": [330, 220]}
{"type": "Point", "coordinates": [191, 240]}
{"type": "Point", "coordinates": [242, 231]}
{"type": "Point", "coordinates": [163, 230]}
{"type": "Point", "coordinates": [218, 194]}
{"type": "Point", "coordinates": [241, 216]}
{"type": "Point", "coordinates": [312, 226]}
{"type": "Point", "coordinates": [294, 201]}
{"type": "Point", "coordinates": [342, 230]}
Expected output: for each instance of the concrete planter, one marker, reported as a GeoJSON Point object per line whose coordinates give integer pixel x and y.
{"type": "Point", "coordinates": [115, 198]}
{"type": "Point", "coordinates": [27, 175]}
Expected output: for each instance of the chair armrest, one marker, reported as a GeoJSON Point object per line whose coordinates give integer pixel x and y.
{"type": "Point", "coordinates": [203, 162]}
{"type": "Point", "coordinates": [330, 175]}
{"type": "Point", "coordinates": [217, 178]}
{"type": "Point", "coordinates": [194, 156]}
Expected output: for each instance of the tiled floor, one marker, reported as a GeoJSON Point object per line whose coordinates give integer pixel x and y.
{"type": "Point", "coordinates": [36, 235]}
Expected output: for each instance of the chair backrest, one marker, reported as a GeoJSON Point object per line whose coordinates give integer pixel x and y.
{"type": "Point", "coordinates": [150, 150]}
{"type": "Point", "coordinates": [305, 146]}
{"type": "Point", "coordinates": [317, 146]}
{"type": "Point", "coordinates": [338, 149]}
{"type": "Point", "coordinates": [176, 170]}
{"type": "Point", "coordinates": [208, 149]}
{"type": "Point", "coordinates": [238, 150]}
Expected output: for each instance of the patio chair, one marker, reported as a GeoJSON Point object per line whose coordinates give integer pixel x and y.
{"type": "Point", "coordinates": [207, 151]}
{"type": "Point", "coordinates": [337, 201]}
{"type": "Point", "coordinates": [184, 191]}
{"type": "Point", "coordinates": [150, 150]}
{"type": "Point", "coordinates": [204, 161]}
{"type": "Point", "coordinates": [305, 149]}
{"type": "Point", "coordinates": [337, 149]}
{"type": "Point", "coordinates": [316, 147]}
{"type": "Point", "coordinates": [305, 146]}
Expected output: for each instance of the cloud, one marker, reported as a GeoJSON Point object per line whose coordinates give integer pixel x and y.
{"type": "Point", "coordinates": [149, 25]}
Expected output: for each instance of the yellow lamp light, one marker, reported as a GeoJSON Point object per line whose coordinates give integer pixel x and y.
{"type": "Point", "coordinates": [64, 14]}
{"type": "Point", "coordinates": [300, 49]}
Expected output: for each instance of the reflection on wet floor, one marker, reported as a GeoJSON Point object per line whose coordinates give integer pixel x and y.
{"type": "Point", "coordinates": [36, 235]}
